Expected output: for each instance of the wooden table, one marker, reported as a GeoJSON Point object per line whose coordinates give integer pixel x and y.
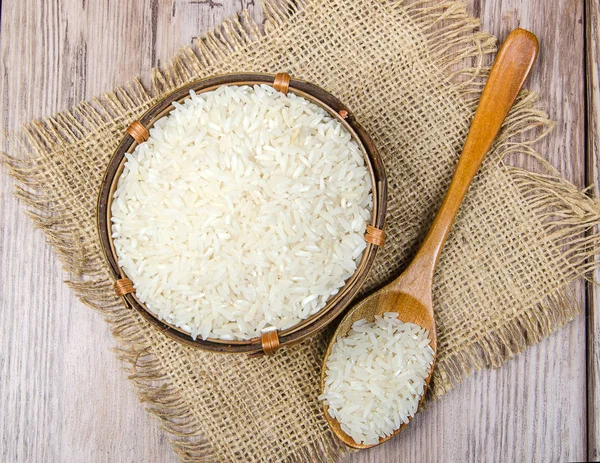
{"type": "Point", "coordinates": [63, 396]}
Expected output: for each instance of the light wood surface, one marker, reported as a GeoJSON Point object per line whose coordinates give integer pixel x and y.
{"type": "Point", "coordinates": [63, 396]}
{"type": "Point", "coordinates": [592, 26]}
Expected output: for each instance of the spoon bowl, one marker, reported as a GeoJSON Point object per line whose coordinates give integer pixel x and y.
{"type": "Point", "coordinates": [410, 310]}
{"type": "Point", "coordinates": [410, 295]}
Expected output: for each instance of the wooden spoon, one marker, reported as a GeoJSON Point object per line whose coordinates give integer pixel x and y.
{"type": "Point", "coordinates": [410, 293]}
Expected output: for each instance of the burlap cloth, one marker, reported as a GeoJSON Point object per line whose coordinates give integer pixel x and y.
{"type": "Point", "coordinates": [412, 73]}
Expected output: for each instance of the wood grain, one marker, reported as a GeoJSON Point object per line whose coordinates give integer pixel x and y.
{"type": "Point", "coordinates": [62, 394]}
{"type": "Point", "coordinates": [592, 34]}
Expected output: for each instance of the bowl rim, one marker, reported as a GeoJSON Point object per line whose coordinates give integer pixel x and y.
{"type": "Point", "coordinates": [335, 305]}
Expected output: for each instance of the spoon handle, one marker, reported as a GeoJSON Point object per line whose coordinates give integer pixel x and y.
{"type": "Point", "coordinates": [510, 70]}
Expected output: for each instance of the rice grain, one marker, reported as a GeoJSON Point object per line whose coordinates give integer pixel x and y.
{"type": "Point", "coordinates": [244, 211]}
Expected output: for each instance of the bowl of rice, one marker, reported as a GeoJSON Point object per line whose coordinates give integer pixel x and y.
{"type": "Point", "coordinates": [242, 212]}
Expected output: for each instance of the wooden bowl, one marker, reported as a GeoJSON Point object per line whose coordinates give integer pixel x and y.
{"type": "Point", "coordinates": [270, 341]}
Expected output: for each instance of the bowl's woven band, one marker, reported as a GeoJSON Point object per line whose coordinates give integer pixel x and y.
{"type": "Point", "coordinates": [124, 286]}
{"type": "Point", "coordinates": [282, 82]}
{"type": "Point", "coordinates": [138, 132]}
{"type": "Point", "coordinates": [375, 236]}
{"type": "Point", "coordinates": [269, 342]}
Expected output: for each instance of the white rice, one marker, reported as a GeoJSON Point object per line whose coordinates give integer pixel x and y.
{"type": "Point", "coordinates": [375, 376]}
{"type": "Point", "coordinates": [244, 211]}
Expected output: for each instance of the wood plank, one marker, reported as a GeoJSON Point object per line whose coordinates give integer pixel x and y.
{"type": "Point", "coordinates": [63, 396]}
{"type": "Point", "coordinates": [592, 32]}
{"type": "Point", "coordinates": [56, 372]}
{"type": "Point", "coordinates": [534, 407]}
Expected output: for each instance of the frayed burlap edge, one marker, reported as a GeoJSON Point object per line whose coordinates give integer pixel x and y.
{"type": "Point", "coordinates": [457, 48]}
{"type": "Point", "coordinates": [569, 217]}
